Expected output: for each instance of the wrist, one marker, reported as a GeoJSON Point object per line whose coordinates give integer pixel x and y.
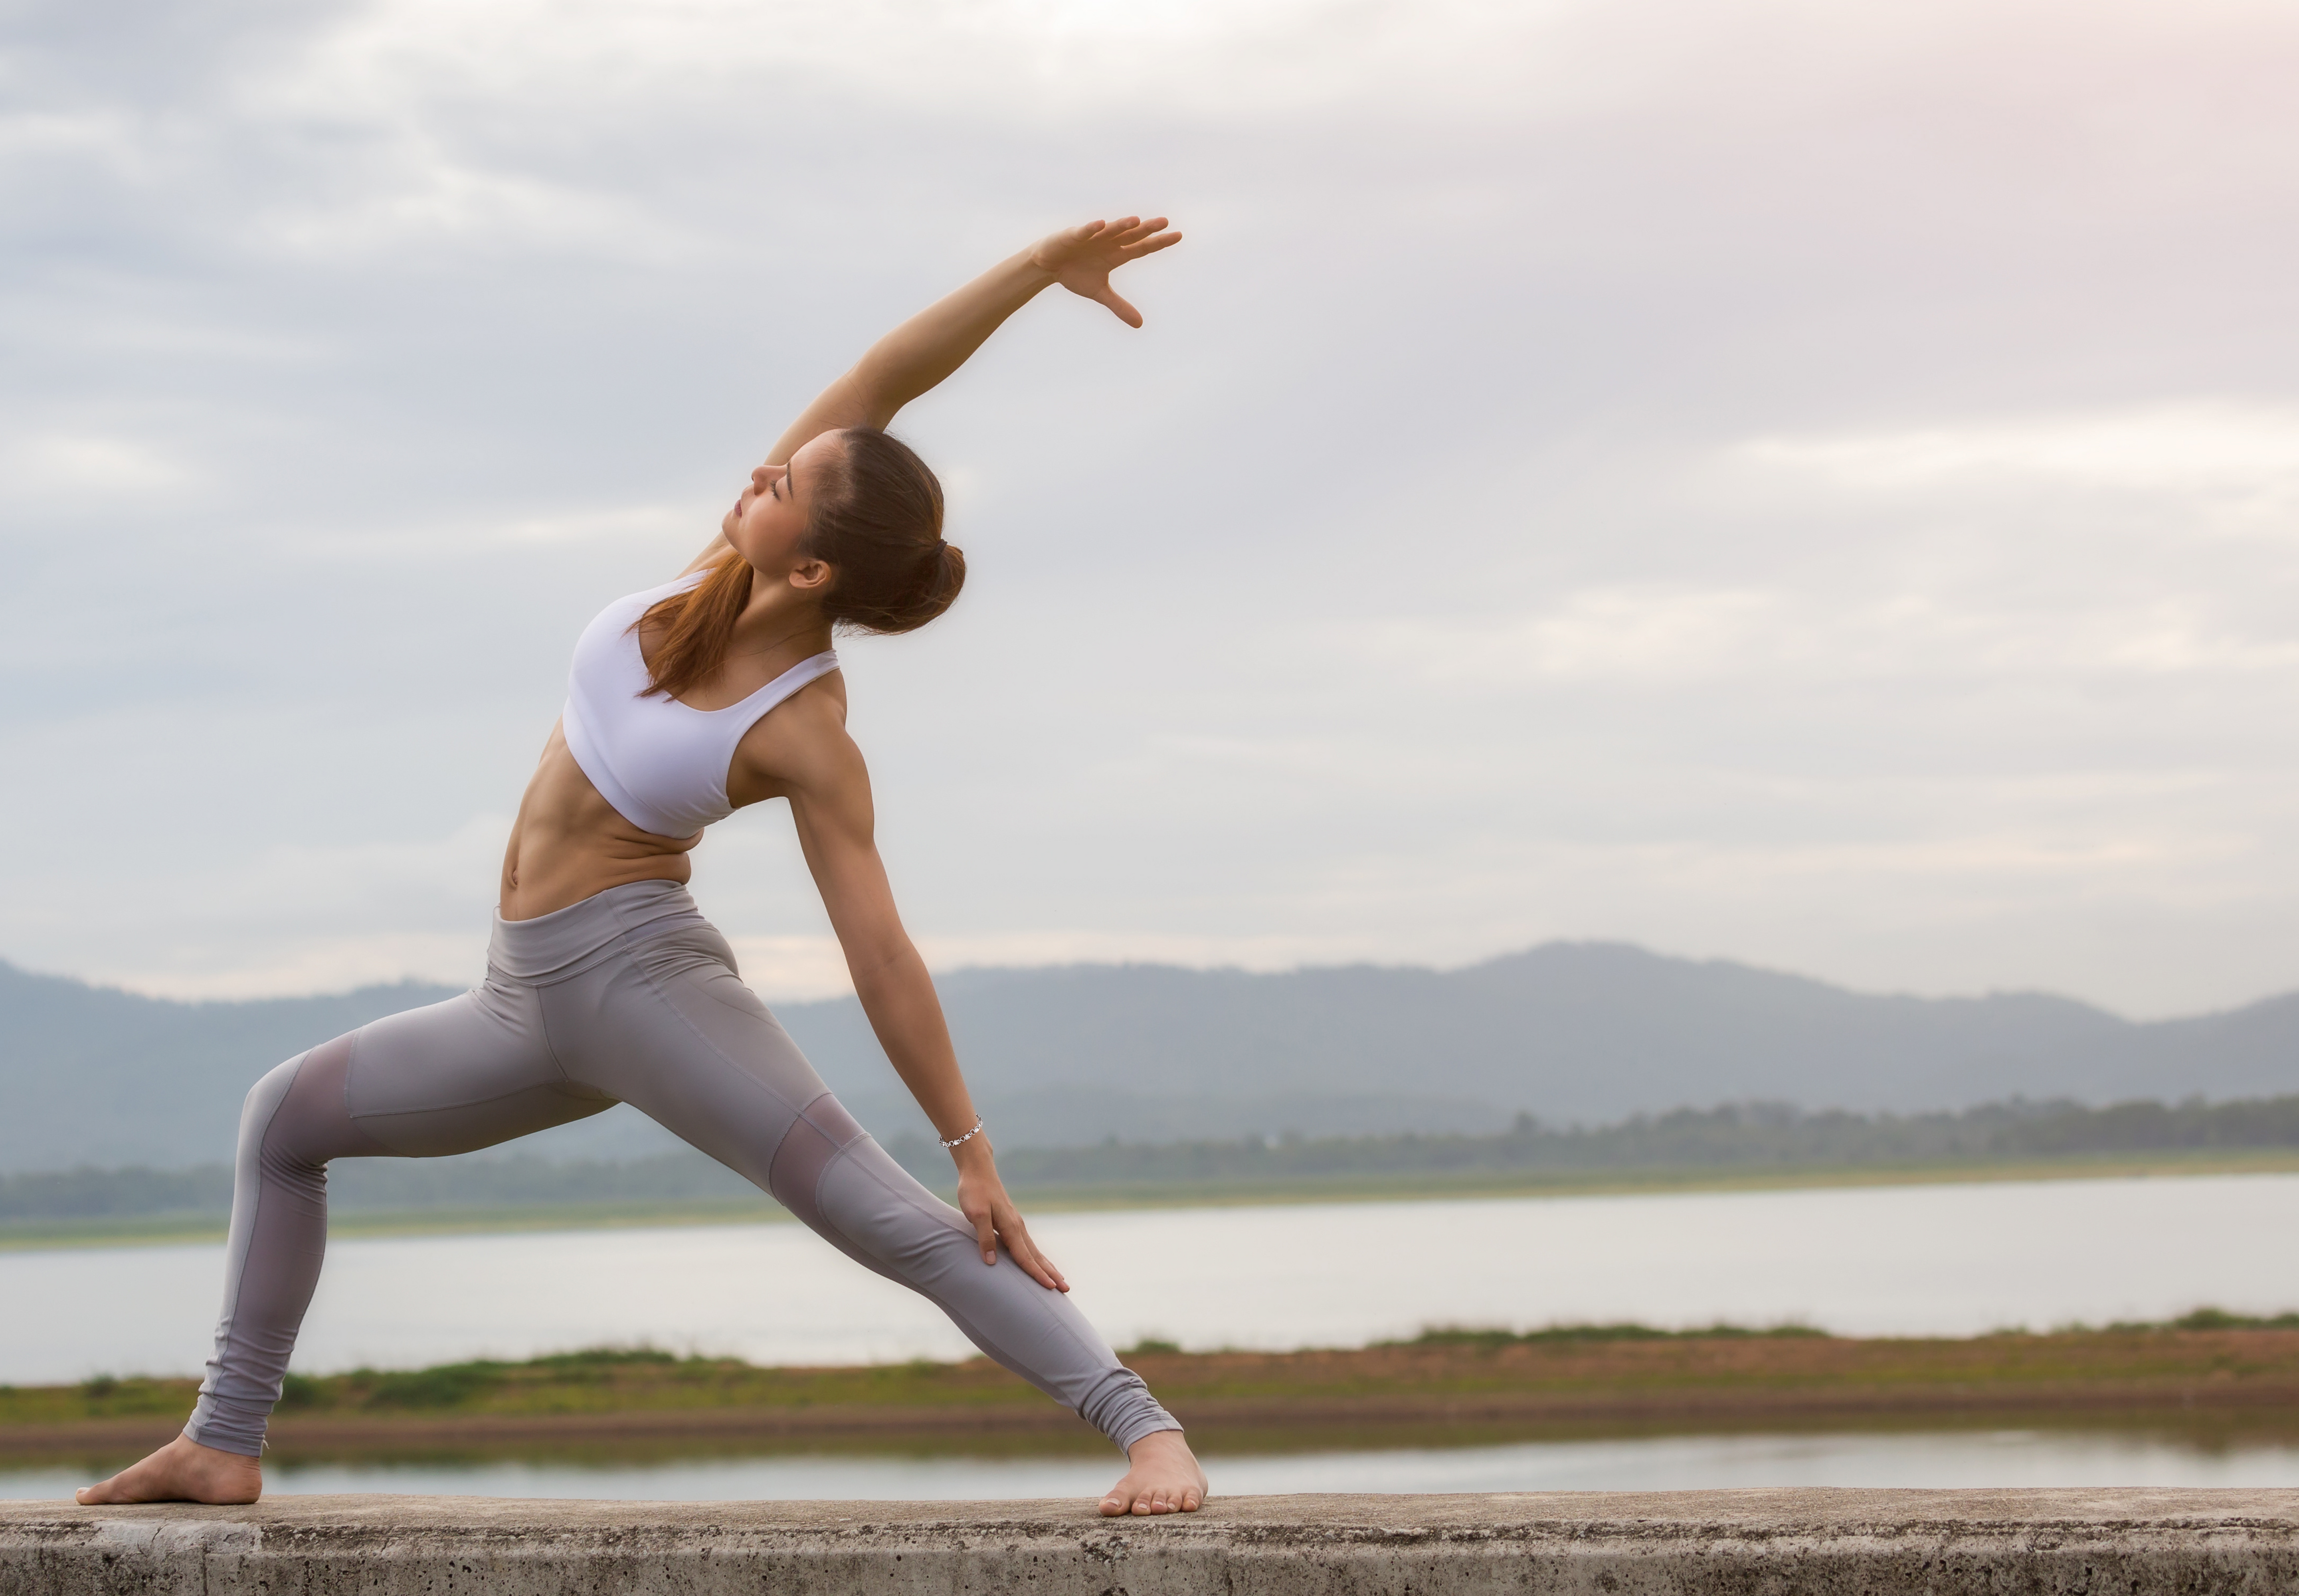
{"type": "Point", "coordinates": [973, 1132]}
{"type": "Point", "coordinates": [974, 1155]}
{"type": "Point", "coordinates": [1033, 275]}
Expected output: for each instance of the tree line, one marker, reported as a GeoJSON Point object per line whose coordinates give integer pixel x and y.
{"type": "Point", "coordinates": [1737, 1136]}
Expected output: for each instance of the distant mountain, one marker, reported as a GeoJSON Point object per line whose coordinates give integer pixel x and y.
{"type": "Point", "coordinates": [94, 1075]}
{"type": "Point", "coordinates": [1572, 1032]}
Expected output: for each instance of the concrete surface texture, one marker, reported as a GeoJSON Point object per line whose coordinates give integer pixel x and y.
{"type": "Point", "coordinates": [2129, 1542]}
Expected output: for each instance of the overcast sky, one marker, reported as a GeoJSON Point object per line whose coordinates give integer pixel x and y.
{"type": "Point", "coordinates": [1808, 484]}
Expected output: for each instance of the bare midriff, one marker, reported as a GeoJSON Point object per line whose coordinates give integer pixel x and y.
{"type": "Point", "coordinates": [569, 843]}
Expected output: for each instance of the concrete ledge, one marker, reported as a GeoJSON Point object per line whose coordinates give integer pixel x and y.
{"type": "Point", "coordinates": [2129, 1542]}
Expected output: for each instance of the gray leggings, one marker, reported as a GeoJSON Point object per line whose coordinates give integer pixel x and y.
{"type": "Point", "coordinates": [626, 997]}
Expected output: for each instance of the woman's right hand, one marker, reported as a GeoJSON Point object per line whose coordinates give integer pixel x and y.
{"type": "Point", "coordinates": [981, 1197]}
{"type": "Point", "coordinates": [1082, 258]}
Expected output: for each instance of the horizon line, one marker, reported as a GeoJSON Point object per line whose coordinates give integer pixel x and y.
{"type": "Point", "coordinates": [1993, 994]}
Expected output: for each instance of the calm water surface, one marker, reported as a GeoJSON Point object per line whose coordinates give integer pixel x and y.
{"type": "Point", "coordinates": [1673, 1463]}
{"type": "Point", "coordinates": [1952, 1260]}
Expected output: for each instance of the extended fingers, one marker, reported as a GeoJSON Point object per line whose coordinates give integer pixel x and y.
{"type": "Point", "coordinates": [1127, 238]}
{"type": "Point", "coordinates": [1037, 1269]}
{"type": "Point", "coordinates": [1117, 306]}
{"type": "Point", "coordinates": [1044, 1270]}
{"type": "Point", "coordinates": [1133, 250]}
{"type": "Point", "coordinates": [1026, 1250]}
{"type": "Point", "coordinates": [1134, 230]}
{"type": "Point", "coordinates": [986, 1232]}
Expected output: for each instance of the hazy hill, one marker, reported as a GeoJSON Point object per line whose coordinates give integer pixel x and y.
{"type": "Point", "coordinates": [92, 1075]}
{"type": "Point", "coordinates": [1585, 1032]}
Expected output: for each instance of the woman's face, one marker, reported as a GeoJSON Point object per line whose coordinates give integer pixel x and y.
{"type": "Point", "coordinates": [768, 524]}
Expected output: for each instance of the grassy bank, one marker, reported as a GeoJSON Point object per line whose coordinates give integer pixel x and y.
{"type": "Point", "coordinates": [1457, 1385]}
{"type": "Point", "coordinates": [449, 1219]}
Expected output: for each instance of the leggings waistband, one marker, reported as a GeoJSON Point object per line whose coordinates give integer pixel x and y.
{"type": "Point", "coordinates": [564, 942]}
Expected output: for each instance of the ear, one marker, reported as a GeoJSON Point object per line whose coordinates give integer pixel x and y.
{"type": "Point", "coordinates": [810, 576]}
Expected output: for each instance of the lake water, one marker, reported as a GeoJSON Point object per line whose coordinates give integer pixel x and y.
{"type": "Point", "coordinates": [2011, 1458]}
{"type": "Point", "coordinates": [1943, 1259]}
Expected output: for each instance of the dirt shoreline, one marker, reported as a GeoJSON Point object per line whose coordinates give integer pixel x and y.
{"type": "Point", "coordinates": [1430, 1389]}
{"type": "Point", "coordinates": [1334, 1418]}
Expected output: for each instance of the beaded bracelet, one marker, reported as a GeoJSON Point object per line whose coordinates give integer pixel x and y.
{"type": "Point", "coordinates": [962, 1141]}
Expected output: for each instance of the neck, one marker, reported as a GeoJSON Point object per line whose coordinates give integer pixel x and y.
{"type": "Point", "coordinates": [780, 619]}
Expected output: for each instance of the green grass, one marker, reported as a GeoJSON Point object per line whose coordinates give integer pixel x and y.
{"type": "Point", "coordinates": [610, 1379]}
{"type": "Point", "coordinates": [2212, 1376]}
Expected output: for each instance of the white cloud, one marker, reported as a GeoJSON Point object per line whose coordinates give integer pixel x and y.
{"type": "Point", "coordinates": [556, 522]}
{"type": "Point", "coordinates": [1650, 639]}
{"type": "Point", "coordinates": [1015, 56]}
{"type": "Point", "coordinates": [90, 466]}
{"type": "Point", "coordinates": [2212, 449]}
{"type": "Point", "coordinates": [1617, 633]}
{"type": "Point", "coordinates": [328, 963]}
{"type": "Point", "coordinates": [108, 135]}
{"type": "Point", "coordinates": [431, 324]}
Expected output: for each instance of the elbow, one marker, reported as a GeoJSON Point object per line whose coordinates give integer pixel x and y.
{"type": "Point", "coordinates": [879, 962]}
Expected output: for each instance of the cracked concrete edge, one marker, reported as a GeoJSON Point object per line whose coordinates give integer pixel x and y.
{"type": "Point", "coordinates": [1603, 1544]}
{"type": "Point", "coordinates": [1781, 1511]}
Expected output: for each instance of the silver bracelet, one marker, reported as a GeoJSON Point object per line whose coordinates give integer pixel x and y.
{"type": "Point", "coordinates": [962, 1141]}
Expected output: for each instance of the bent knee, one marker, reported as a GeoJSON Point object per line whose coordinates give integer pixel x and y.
{"type": "Point", "coordinates": [269, 1128]}
{"type": "Point", "coordinates": [270, 1090]}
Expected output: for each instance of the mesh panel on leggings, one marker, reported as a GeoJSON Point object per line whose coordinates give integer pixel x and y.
{"type": "Point", "coordinates": [813, 1141]}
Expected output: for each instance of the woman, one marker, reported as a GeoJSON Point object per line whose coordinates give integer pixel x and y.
{"type": "Point", "coordinates": [604, 983]}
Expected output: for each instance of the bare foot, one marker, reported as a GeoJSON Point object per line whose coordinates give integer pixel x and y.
{"type": "Point", "coordinates": [183, 1470]}
{"type": "Point", "coordinates": [1164, 1478]}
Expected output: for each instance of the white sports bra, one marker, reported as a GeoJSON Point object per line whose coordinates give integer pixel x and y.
{"type": "Point", "coordinates": [662, 763]}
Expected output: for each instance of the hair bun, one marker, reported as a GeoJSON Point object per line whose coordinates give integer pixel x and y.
{"type": "Point", "coordinates": [948, 572]}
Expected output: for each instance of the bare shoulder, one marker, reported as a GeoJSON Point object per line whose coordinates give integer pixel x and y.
{"type": "Point", "coordinates": [800, 747]}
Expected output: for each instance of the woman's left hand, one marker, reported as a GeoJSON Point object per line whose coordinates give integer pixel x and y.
{"type": "Point", "coordinates": [981, 1199]}
{"type": "Point", "coordinates": [1082, 258]}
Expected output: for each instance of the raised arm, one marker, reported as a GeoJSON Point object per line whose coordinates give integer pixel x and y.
{"type": "Point", "coordinates": [938, 340]}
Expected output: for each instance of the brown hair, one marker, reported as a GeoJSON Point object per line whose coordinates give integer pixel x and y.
{"type": "Point", "coordinates": [876, 520]}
